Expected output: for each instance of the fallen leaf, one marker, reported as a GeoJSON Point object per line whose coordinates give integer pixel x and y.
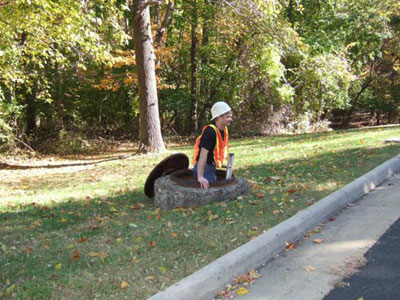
{"type": "Point", "coordinates": [58, 266]}
{"type": "Point", "coordinates": [309, 268]}
{"type": "Point", "coordinates": [163, 270]}
{"type": "Point", "coordinates": [35, 224]}
{"type": "Point", "coordinates": [124, 285]}
{"type": "Point", "coordinates": [242, 291]}
{"type": "Point", "coordinates": [100, 255]}
{"type": "Point", "coordinates": [260, 195]}
{"type": "Point", "coordinates": [136, 206]}
{"type": "Point", "coordinates": [83, 239]}
{"type": "Point", "coordinates": [153, 244]}
{"type": "Point", "coordinates": [28, 250]}
{"type": "Point", "coordinates": [225, 294]}
{"type": "Point", "coordinates": [291, 191]}
{"type": "Point", "coordinates": [291, 245]}
{"type": "Point", "coordinates": [113, 209]}
{"type": "Point", "coordinates": [76, 256]}
{"type": "Point", "coordinates": [174, 234]}
{"type": "Point", "coordinates": [149, 278]}
{"type": "Point", "coordinates": [10, 289]}
{"type": "Point", "coordinates": [318, 241]}
{"type": "Point", "coordinates": [267, 179]}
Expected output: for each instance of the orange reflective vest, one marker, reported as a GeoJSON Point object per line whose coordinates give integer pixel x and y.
{"type": "Point", "coordinates": [221, 148]}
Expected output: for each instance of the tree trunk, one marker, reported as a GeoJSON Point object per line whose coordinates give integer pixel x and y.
{"type": "Point", "coordinates": [355, 101]}
{"type": "Point", "coordinates": [58, 98]}
{"type": "Point", "coordinates": [193, 69]}
{"type": "Point", "coordinates": [31, 113]}
{"type": "Point", "coordinates": [150, 138]}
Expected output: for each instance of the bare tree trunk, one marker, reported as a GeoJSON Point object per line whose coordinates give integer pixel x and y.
{"type": "Point", "coordinates": [193, 68]}
{"type": "Point", "coordinates": [150, 138]}
{"type": "Point", "coordinates": [160, 32]}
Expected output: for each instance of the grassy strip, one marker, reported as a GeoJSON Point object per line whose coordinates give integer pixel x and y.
{"type": "Point", "coordinates": [90, 233]}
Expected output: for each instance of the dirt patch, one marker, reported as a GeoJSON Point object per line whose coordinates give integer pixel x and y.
{"type": "Point", "coordinates": [350, 267]}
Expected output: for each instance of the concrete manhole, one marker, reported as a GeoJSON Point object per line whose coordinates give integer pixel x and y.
{"type": "Point", "coordinates": [172, 185]}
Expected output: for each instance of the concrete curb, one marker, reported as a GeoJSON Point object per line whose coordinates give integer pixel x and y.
{"type": "Point", "coordinates": [203, 284]}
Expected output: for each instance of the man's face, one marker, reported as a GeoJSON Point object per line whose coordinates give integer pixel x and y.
{"type": "Point", "coordinates": [227, 118]}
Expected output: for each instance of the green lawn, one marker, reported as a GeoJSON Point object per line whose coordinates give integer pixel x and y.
{"type": "Point", "coordinates": [87, 231]}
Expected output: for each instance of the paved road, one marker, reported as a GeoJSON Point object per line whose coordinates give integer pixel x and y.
{"type": "Point", "coordinates": [312, 270]}
{"type": "Point", "coordinates": [379, 279]}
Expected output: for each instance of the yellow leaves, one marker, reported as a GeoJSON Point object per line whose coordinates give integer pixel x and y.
{"type": "Point", "coordinates": [238, 283]}
{"type": "Point", "coordinates": [124, 285]}
{"type": "Point", "coordinates": [163, 270]}
{"type": "Point", "coordinates": [113, 209]}
{"type": "Point", "coordinates": [10, 289]}
{"type": "Point", "coordinates": [58, 266]}
{"type": "Point", "coordinates": [242, 291]}
{"type": "Point", "coordinates": [35, 224]}
{"type": "Point", "coordinates": [211, 216]}
{"type": "Point", "coordinates": [100, 255]}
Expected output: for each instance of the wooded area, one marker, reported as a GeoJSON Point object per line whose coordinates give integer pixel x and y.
{"type": "Point", "coordinates": [134, 69]}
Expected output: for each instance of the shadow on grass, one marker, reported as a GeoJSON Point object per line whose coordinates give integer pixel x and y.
{"type": "Point", "coordinates": [6, 166]}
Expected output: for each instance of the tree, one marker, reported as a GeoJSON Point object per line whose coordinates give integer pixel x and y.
{"type": "Point", "coordinates": [150, 138]}
{"type": "Point", "coordinates": [44, 42]}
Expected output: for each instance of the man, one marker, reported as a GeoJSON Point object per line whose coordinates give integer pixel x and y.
{"type": "Point", "coordinates": [212, 146]}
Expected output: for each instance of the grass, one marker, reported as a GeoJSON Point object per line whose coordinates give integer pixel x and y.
{"type": "Point", "coordinates": [86, 230]}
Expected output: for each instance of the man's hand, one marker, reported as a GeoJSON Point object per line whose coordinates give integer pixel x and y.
{"type": "Point", "coordinates": [203, 183]}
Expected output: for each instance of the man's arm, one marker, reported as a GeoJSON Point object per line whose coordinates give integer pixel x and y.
{"type": "Point", "coordinates": [201, 164]}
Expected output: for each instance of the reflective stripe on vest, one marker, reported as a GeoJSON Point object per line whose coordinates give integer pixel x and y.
{"type": "Point", "coordinates": [221, 148]}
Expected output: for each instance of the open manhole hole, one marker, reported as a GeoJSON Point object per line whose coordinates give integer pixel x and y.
{"type": "Point", "coordinates": [172, 185]}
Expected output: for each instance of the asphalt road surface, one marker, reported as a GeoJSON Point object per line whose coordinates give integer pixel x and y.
{"type": "Point", "coordinates": [379, 279]}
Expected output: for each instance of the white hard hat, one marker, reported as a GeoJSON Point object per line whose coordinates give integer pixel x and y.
{"type": "Point", "coordinates": [219, 108]}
